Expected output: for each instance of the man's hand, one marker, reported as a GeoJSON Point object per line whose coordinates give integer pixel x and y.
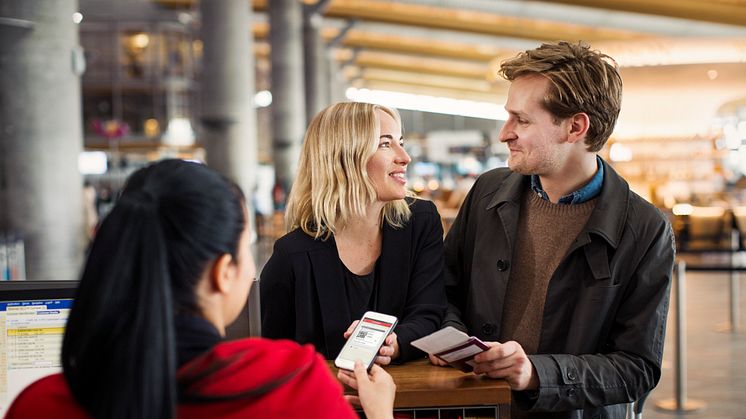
{"type": "Point", "coordinates": [509, 361]}
{"type": "Point", "coordinates": [436, 361]}
{"type": "Point", "coordinates": [388, 352]}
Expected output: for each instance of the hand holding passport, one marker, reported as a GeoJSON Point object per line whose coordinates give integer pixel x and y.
{"type": "Point", "coordinates": [453, 346]}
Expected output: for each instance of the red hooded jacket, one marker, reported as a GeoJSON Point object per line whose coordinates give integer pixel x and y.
{"type": "Point", "coordinates": [251, 378]}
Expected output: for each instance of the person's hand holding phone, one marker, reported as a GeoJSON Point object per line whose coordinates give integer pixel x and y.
{"type": "Point", "coordinates": [388, 352]}
{"type": "Point", "coordinates": [375, 390]}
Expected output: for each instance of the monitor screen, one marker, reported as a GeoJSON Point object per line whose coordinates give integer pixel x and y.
{"type": "Point", "coordinates": [32, 323]}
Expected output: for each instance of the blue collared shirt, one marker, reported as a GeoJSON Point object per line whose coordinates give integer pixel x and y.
{"type": "Point", "coordinates": [586, 193]}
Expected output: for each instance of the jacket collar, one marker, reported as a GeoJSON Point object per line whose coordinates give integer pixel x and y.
{"type": "Point", "coordinates": [329, 279]}
{"type": "Point", "coordinates": [608, 217]}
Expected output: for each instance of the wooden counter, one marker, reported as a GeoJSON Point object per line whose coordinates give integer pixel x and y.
{"type": "Point", "coordinates": [422, 385]}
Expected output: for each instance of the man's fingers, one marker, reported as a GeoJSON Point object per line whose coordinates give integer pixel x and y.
{"type": "Point", "coordinates": [497, 365]}
{"type": "Point", "coordinates": [436, 361]}
{"type": "Point", "coordinates": [496, 351]}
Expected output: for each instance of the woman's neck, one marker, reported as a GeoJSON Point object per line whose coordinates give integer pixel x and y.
{"type": "Point", "coordinates": [359, 242]}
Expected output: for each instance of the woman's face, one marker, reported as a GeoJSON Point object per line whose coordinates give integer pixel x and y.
{"type": "Point", "coordinates": [387, 169]}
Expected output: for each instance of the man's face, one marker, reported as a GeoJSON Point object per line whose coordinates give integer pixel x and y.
{"type": "Point", "coordinates": [537, 145]}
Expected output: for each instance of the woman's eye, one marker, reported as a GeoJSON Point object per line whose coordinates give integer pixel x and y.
{"type": "Point", "coordinates": [384, 144]}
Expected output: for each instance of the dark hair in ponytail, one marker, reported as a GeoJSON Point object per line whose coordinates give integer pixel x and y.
{"type": "Point", "coordinates": [172, 220]}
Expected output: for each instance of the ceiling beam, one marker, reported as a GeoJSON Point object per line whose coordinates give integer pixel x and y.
{"type": "Point", "coordinates": [732, 12]}
{"type": "Point", "coordinates": [417, 46]}
{"type": "Point", "coordinates": [437, 91]}
{"type": "Point", "coordinates": [418, 64]}
{"type": "Point", "coordinates": [472, 21]}
{"type": "Point", "coordinates": [431, 80]}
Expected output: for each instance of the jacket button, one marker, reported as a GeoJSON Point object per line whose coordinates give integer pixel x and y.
{"type": "Point", "coordinates": [571, 375]}
{"type": "Point", "coordinates": [571, 393]}
{"type": "Point", "coordinates": [488, 328]}
{"type": "Point", "coordinates": [502, 265]}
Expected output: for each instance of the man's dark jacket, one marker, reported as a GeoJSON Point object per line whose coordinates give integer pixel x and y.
{"type": "Point", "coordinates": [603, 326]}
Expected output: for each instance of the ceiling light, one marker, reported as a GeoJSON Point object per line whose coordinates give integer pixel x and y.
{"type": "Point", "coordinates": [426, 103]}
{"type": "Point", "coordinates": [263, 98]}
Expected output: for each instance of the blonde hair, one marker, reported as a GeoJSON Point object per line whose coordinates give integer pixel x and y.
{"type": "Point", "coordinates": [332, 185]}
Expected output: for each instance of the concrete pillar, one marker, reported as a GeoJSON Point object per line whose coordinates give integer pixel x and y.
{"type": "Point", "coordinates": [41, 136]}
{"type": "Point", "coordinates": [228, 118]}
{"type": "Point", "coordinates": [288, 103]}
{"type": "Point", "coordinates": [337, 82]}
{"type": "Point", "coordinates": [315, 63]}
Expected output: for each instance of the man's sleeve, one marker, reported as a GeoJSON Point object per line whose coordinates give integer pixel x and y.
{"type": "Point", "coordinates": [629, 364]}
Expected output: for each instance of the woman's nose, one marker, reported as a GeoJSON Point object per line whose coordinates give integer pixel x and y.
{"type": "Point", "coordinates": [402, 157]}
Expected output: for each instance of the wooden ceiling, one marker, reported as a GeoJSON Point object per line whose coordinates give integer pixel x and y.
{"type": "Point", "coordinates": [451, 48]}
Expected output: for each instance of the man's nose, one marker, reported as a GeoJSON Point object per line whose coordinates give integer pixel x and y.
{"type": "Point", "coordinates": [506, 132]}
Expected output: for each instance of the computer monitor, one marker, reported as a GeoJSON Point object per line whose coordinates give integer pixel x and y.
{"type": "Point", "coordinates": [32, 322]}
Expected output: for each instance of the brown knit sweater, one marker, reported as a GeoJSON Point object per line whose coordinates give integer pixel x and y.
{"type": "Point", "coordinates": [545, 232]}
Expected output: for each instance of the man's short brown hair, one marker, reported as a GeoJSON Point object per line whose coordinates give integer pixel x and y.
{"type": "Point", "coordinates": [582, 80]}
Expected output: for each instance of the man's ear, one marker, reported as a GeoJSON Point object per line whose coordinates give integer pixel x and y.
{"type": "Point", "coordinates": [578, 127]}
{"type": "Point", "coordinates": [222, 273]}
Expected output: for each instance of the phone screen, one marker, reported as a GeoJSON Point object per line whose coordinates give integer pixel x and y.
{"type": "Point", "coordinates": [366, 340]}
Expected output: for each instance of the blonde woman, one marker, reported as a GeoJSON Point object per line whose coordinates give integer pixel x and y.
{"type": "Point", "coordinates": [357, 241]}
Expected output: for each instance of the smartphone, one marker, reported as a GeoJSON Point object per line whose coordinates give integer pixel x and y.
{"type": "Point", "coordinates": [366, 340]}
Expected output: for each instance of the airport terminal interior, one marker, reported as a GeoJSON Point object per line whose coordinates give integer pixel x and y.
{"type": "Point", "coordinates": [92, 90]}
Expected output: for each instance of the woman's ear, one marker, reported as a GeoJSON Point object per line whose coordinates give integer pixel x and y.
{"type": "Point", "coordinates": [222, 273]}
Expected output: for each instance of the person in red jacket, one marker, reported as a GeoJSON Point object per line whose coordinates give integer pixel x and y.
{"type": "Point", "coordinates": [169, 269]}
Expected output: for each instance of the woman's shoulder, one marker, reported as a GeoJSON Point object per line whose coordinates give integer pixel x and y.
{"type": "Point", "coordinates": [421, 206]}
{"type": "Point", "coordinates": [424, 213]}
{"type": "Point", "coordinates": [297, 241]}
{"type": "Point", "coordinates": [47, 397]}
{"type": "Point", "coordinates": [252, 363]}
{"type": "Point", "coordinates": [279, 371]}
